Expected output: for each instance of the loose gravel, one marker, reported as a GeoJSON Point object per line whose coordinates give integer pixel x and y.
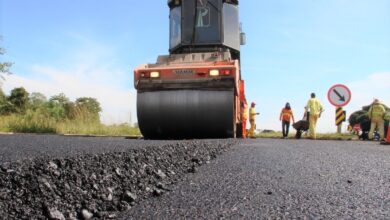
{"type": "Point", "coordinates": [94, 183]}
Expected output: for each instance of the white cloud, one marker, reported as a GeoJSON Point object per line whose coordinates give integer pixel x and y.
{"type": "Point", "coordinates": [87, 69]}
{"type": "Point", "coordinates": [376, 85]}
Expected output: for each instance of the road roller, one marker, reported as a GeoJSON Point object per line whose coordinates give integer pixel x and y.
{"type": "Point", "coordinates": [196, 91]}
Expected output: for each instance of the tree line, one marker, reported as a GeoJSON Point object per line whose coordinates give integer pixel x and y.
{"type": "Point", "coordinates": [58, 107]}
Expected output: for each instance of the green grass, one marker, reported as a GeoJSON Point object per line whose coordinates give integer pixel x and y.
{"type": "Point", "coordinates": [320, 136]}
{"type": "Point", "coordinates": [80, 128]}
{"type": "Point", "coordinates": [37, 123]}
{"type": "Point", "coordinates": [27, 124]}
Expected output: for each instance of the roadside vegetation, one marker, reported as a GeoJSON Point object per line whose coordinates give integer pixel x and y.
{"type": "Point", "coordinates": [22, 112]}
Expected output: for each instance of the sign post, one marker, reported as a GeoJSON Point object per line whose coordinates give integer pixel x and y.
{"type": "Point", "coordinates": [339, 95]}
{"type": "Point", "coordinates": [340, 118]}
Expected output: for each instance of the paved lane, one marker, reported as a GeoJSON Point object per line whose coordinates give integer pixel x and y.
{"type": "Point", "coordinates": [285, 179]}
{"type": "Point", "coordinates": [24, 146]}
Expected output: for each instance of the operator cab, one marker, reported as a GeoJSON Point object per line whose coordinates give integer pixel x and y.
{"type": "Point", "coordinates": [204, 26]}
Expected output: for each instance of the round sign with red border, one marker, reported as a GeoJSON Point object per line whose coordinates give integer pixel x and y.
{"type": "Point", "coordinates": [339, 95]}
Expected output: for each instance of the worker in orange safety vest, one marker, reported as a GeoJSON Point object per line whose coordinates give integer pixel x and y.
{"type": "Point", "coordinates": [285, 116]}
{"type": "Point", "coordinates": [252, 117]}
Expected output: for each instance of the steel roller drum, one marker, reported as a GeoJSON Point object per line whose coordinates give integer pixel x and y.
{"type": "Point", "coordinates": [177, 114]}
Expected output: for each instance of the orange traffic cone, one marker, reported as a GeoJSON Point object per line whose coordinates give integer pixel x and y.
{"type": "Point", "coordinates": [387, 139]}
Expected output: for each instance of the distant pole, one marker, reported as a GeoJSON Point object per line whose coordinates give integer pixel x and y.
{"type": "Point", "coordinates": [339, 128]}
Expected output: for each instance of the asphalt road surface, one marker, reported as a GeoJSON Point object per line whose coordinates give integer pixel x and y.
{"type": "Point", "coordinates": [28, 146]}
{"type": "Point", "coordinates": [282, 179]}
{"type": "Point", "coordinates": [253, 179]}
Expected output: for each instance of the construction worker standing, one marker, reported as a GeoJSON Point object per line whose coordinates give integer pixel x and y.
{"type": "Point", "coordinates": [252, 117]}
{"type": "Point", "coordinates": [285, 116]}
{"type": "Point", "coordinates": [315, 109]}
{"type": "Point", "coordinates": [376, 114]}
{"type": "Point", "coordinates": [244, 117]}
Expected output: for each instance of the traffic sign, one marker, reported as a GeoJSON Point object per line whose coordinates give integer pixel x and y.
{"type": "Point", "coordinates": [339, 95]}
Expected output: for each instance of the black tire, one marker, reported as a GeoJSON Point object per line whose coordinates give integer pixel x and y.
{"type": "Point", "coordinates": [186, 114]}
{"type": "Point", "coordinates": [239, 130]}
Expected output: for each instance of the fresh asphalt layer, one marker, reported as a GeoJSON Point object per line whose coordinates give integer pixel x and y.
{"type": "Point", "coordinates": [282, 179]}
{"type": "Point", "coordinates": [255, 179]}
{"type": "Point", "coordinates": [28, 146]}
{"type": "Point", "coordinates": [58, 177]}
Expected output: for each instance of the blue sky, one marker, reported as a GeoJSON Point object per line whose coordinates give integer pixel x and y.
{"type": "Point", "coordinates": [90, 48]}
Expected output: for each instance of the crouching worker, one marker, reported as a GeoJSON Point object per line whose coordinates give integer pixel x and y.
{"type": "Point", "coordinates": [376, 114]}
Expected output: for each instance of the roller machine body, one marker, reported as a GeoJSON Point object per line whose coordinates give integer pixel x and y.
{"type": "Point", "coordinates": [196, 91]}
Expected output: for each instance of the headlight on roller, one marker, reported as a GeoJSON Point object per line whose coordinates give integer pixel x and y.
{"type": "Point", "coordinates": [154, 74]}
{"type": "Point", "coordinates": [214, 72]}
